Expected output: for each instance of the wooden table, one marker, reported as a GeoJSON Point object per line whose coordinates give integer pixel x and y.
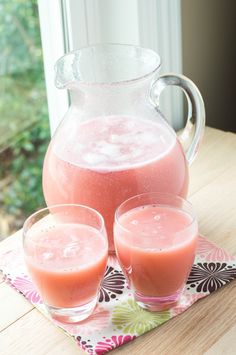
{"type": "Point", "coordinates": [208, 327]}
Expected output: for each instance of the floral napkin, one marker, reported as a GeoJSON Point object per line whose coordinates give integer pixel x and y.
{"type": "Point", "coordinates": [117, 318]}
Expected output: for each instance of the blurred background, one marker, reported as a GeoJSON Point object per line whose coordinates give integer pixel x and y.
{"type": "Point", "coordinates": [194, 37]}
{"type": "Point", "coordinates": [209, 56]}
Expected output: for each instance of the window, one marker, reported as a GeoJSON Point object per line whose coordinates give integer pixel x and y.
{"type": "Point", "coordinates": [24, 129]}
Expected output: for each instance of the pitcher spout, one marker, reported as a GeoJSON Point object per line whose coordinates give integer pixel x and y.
{"type": "Point", "coordinates": [67, 73]}
{"type": "Point", "coordinates": [109, 64]}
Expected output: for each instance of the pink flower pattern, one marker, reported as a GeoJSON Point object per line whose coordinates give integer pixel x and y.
{"type": "Point", "coordinates": [98, 320]}
{"type": "Point", "coordinates": [186, 301]}
{"type": "Point", "coordinates": [13, 258]}
{"type": "Point", "coordinates": [211, 252]}
{"type": "Point", "coordinates": [25, 286]}
{"type": "Point", "coordinates": [111, 343]}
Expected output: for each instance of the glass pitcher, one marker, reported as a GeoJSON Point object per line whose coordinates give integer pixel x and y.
{"type": "Point", "coordinates": [114, 142]}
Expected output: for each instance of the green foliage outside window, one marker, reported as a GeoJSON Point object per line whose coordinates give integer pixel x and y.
{"type": "Point", "coordinates": [24, 129]}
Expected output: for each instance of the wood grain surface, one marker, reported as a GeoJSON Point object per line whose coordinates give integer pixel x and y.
{"type": "Point", "coordinates": [208, 327]}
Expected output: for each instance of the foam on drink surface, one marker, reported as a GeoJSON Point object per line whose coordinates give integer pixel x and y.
{"type": "Point", "coordinates": [156, 227]}
{"type": "Point", "coordinates": [64, 247]}
{"type": "Point", "coordinates": [115, 143]}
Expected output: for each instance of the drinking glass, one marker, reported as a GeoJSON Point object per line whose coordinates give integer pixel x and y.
{"type": "Point", "coordinates": [155, 239]}
{"type": "Point", "coordinates": [66, 250]}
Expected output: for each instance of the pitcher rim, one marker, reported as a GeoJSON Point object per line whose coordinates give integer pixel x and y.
{"type": "Point", "coordinates": [137, 78]}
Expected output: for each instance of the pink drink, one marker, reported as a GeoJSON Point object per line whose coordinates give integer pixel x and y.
{"type": "Point", "coordinates": [66, 262]}
{"type": "Point", "coordinates": [156, 247]}
{"type": "Point", "coordinates": [112, 159]}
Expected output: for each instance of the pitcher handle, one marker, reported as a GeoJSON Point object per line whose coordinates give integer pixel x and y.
{"type": "Point", "coordinates": [196, 110]}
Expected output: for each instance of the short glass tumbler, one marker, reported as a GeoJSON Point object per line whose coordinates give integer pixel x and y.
{"type": "Point", "coordinates": [66, 250]}
{"type": "Point", "coordinates": [156, 239]}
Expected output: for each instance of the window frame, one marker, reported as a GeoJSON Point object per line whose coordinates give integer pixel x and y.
{"type": "Point", "coordinates": [51, 23]}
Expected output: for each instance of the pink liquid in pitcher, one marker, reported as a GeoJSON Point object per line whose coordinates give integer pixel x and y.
{"type": "Point", "coordinates": [156, 248]}
{"type": "Point", "coordinates": [106, 160]}
{"type": "Point", "coordinates": [66, 262]}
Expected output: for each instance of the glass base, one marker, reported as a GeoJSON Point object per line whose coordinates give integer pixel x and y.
{"type": "Point", "coordinates": [157, 304]}
{"type": "Point", "coordinates": [72, 315]}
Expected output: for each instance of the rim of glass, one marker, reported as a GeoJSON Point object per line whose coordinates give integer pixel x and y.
{"type": "Point", "coordinates": [189, 205]}
{"type": "Point", "coordinates": [118, 82]}
{"type": "Point", "coordinates": [58, 206]}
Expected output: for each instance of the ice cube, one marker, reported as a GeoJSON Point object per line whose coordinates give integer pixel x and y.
{"type": "Point", "coordinates": [71, 250]}
{"type": "Point", "coordinates": [108, 149]}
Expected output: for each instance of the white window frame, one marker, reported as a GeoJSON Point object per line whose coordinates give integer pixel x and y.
{"type": "Point", "coordinates": [53, 45]}
{"type": "Point", "coordinates": [71, 24]}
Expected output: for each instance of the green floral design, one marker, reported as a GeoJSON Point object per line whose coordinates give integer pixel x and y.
{"type": "Point", "coordinates": [132, 319]}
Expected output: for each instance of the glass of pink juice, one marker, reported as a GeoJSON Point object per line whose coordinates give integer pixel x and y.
{"type": "Point", "coordinates": [66, 250]}
{"type": "Point", "coordinates": [155, 238]}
